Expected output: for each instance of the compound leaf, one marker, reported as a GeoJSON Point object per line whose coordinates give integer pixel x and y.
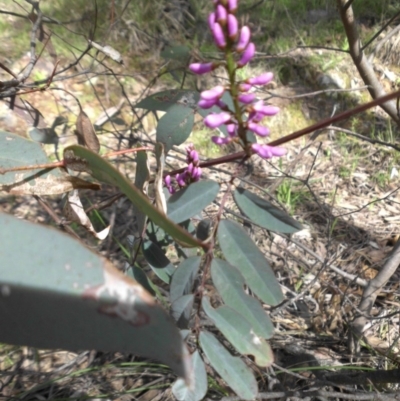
{"type": "Point", "coordinates": [230, 285]}
{"type": "Point", "coordinates": [183, 277]}
{"type": "Point", "coordinates": [240, 251]}
{"type": "Point", "coordinates": [191, 200]}
{"type": "Point", "coordinates": [265, 213]}
{"type": "Point", "coordinates": [232, 369]}
{"type": "Point", "coordinates": [56, 293]}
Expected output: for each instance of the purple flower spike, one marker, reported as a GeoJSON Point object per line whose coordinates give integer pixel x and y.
{"type": "Point", "coordinates": [247, 55]}
{"type": "Point", "coordinates": [222, 14]}
{"type": "Point", "coordinates": [213, 94]}
{"type": "Point", "coordinates": [200, 68]}
{"type": "Point", "coordinates": [246, 98]}
{"type": "Point", "coordinates": [266, 151]}
{"type": "Point", "coordinates": [232, 26]}
{"type": "Point", "coordinates": [244, 39]}
{"type": "Point", "coordinates": [214, 120]}
{"type": "Point", "coordinates": [219, 36]}
{"type": "Point", "coordinates": [232, 6]}
{"type": "Point", "coordinates": [262, 79]}
{"type": "Point", "coordinates": [219, 140]}
{"type": "Point", "coordinates": [258, 129]}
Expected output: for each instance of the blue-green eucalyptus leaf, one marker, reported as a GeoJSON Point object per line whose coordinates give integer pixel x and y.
{"type": "Point", "coordinates": [241, 252]}
{"type": "Point", "coordinates": [184, 277]}
{"type": "Point", "coordinates": [191, 200]}
{"type": "Point", "coordinates": [56, 293]}
{"type": "Point", "coordinates": [239, 332]}
{"type": "Point", "coordinates": [265, 213]}
{"type": "Point", "coordinates": [230, 285]}
{"type": "Point", "coordinates": [232, 369]}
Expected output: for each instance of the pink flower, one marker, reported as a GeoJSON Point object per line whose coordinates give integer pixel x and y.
{"type": "Point", "coordinates": [219, 36]}
{"type": "Point", "coordinates": [207, 104]}
{"type": "Point", "coordinates": [247, 55]}
{"type": "Point", "coordinates": [200, 68]}
{"type": "Point", "coordinates": [244, 39]}
{"type": "Point", "coordinates": [214, 120]}
{"type": "Point", "coordinates": [258, 129]}
{"type": "Point", "coordinates": [246, 98]}
{"type": "Point", "coordinates": [220, 140]}
{"type": "Point", "coordinates": [266, 151]}
{"type": "Point", "coordinates": [213, 94]}
{"type": "Point", "coordinates": [262, 79]}
{"type": "Point", "coordinates": [265, 110]}
{"type": "Point", "coordinates": [221, 14]}
{"type": "Point", "coordinates": [232, 26]}
{"type": "Point", "coordinates": [232, 6]}
{"type": "Point", "coordinates": [211, 20]}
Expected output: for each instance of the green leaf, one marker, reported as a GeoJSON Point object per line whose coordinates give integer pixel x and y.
{"type": "Point", "coordinates": [179, 53]}
{"type": "Point", "coordinates": [184, 277]}
{"type": "Point", "coordinates": [16, 151]}
{"type": "Point", "coordinates": [232, 369]}
{"type": "Point", "coordinates": [239, 332]}
{"type": "Point", "coordinates": [56, 293]}
{"type": "Point", "coordinates": [181, 310]}
{"type": "Point", "coordinates": [265, 213]}
{"type": "Point", "coordinates": [158, 261]}
{"type": "Point", "coordinates": [140, 276]}
{"type": "Point", "coordinates": [240, 251]}
{"type": "Point", "coordinates": [230, 285]}
{"type": "Point", "coordinates": [203, 229]}
{"type": "Point", "coordinates": [105, 172]}
{"type": "Point", "coordinates": [162, 101]}
{"type": "Point", "coordinates": [183, 392]}
{"type": "Point", "coordinates": [175, 126]}
{"type": "Point", "coordinates": [191, 200]}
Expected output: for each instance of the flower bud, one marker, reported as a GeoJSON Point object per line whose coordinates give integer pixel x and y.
{"type": "Point", "coordinates": [266, 151]}
{"type": "Point", "coordinates": [221, 14]}
{"type": "Point", "coordinates": [214, 120]}
{"type": "Point", "coordinates": [262, 79]}
{"type": "Point", "coordinates": [232, 26]}
{"type": "Point", "coordinates": [247, 55]}
{"type": "Point", "coordinates": [246, 98]}
{"type": "Point", "coordinates": [213, 94]}
{"type": "Point", "coordinates": [232, 6]}
{"type": "Point", "coordinates": [211, 20]}
{"type": "Point", "coordinates": [220, 140]}
{"type": "Point", "coordinates": [258, 129]}
{"type": "Point", "coordinates": [219, 36]}
{"type": "Point", "coordinates": [200, 68]}
{"type": "Point", "coordinates": [265, 110]}
{"type": "Point", "coordinates": [244, 39]}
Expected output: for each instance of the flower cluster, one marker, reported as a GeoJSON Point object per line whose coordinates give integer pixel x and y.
{"type": "Point", "coordinates": [249, 112]}
{"type": "Point", "coordinates": [192, 172]}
